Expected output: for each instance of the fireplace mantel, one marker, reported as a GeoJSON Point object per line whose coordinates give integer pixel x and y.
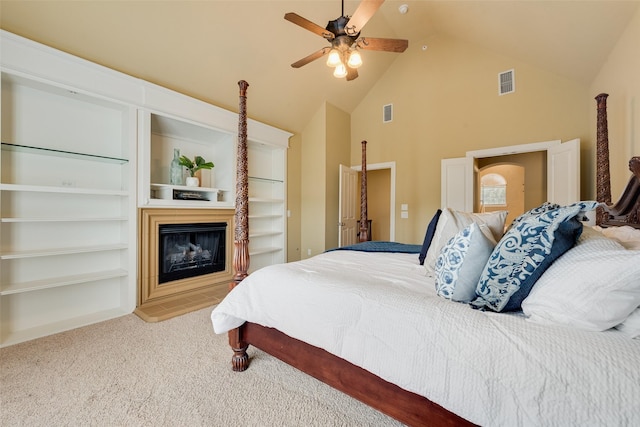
{"type": "Point", "coordinates": [158, 302]}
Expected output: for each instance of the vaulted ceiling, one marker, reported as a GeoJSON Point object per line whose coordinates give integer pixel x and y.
{"type": "Point", "coordinates": [202, 48]}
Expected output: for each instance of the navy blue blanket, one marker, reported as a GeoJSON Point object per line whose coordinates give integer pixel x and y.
{"type": "Point", "coordinates": [379, 246]}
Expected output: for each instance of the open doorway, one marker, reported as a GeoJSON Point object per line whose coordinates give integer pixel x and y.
{"type": "Point", "coordinates": [379, 202]}
{"type": "Point", "coordinates": [381, 198]}
{"type": "Point", "coordinates": [501, 186]}
{"type": "Point", "coordinates": [552, 174]}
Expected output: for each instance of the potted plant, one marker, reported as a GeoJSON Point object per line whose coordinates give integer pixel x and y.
{"type": "Point", "coordinates": [194, 166]}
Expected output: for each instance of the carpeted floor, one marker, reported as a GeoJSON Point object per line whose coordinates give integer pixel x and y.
{"type": "Point", "coordinates": [126, 372]}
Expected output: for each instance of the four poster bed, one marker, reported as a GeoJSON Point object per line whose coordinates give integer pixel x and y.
{"type": "Point", "coordinates": [401, 337]}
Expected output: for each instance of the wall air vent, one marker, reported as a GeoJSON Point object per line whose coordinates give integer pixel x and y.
{"type": "Point", "coordinates": [506, 82]}
{"type": "Point", "coordinates": [387, 113]}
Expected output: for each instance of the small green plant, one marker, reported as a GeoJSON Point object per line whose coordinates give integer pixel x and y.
{"type": "Point", "coordinates": [195, 165]}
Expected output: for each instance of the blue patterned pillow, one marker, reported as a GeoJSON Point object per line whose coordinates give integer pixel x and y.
{"type": "Point", "coordinates": [461, 262]}
{"type": "Point", "coordinates": [428, 237]}
{"type": "Point", "coordinates": [524, 253]}
{"type": "Point", "coordinates": [545, 207]}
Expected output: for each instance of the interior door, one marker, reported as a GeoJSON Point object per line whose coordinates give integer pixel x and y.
{"type": "Point", "coordinates": [563, 173]}
{"type": "Point", "coordinates": [456, 181]}
{"type": "Point", "coordinates": [348, 206]}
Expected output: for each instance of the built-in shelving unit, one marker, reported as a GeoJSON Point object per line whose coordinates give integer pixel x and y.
{"type": "Point", "coordinates": [85, 149]}
{"type": "Point", "coordinates": [159, 136]}
{"type": "Point", "coordinates": [67, 210]}
{"type": "Point", "coordinates": [267, 205]}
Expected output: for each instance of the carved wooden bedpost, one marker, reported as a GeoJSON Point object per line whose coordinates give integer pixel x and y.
{"type": "Point", "coordinates": [364, 220]}
{"type": "Point", "coordinates": [240, 359]}
{"type": "Point", "coordinates": [603, 175]}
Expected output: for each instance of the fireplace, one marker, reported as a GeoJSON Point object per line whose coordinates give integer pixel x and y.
{"type": "Point", "coordinates": [189, 250]}
{"type": "Point", "coordinates": [185, 260]}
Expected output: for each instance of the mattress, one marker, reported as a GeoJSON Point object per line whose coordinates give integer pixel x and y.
{"type": "Point", "coordinates": [380, 311]}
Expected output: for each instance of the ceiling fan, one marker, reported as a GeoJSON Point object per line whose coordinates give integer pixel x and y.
{"type": "Point", "coordinates": [344, 35]}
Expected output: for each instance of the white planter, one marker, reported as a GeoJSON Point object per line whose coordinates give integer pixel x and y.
{"type": "Point", "coordinates": [193, 181]}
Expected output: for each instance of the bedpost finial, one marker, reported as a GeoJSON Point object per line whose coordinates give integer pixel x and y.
{"type": "Point", "coordinates": [243, 87]}
{"type": "Point", "coordinates": [602, 100]}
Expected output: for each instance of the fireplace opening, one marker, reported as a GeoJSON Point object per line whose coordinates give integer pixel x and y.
{"type": "Point", "coordinates": [189, 250]}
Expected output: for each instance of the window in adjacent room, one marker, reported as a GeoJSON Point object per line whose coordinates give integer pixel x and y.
{"type": "Point", "coordinates": [493, 190]}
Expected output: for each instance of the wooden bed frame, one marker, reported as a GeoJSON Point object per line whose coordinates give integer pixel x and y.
{"type": "Point", "coordinates": [405, 406]}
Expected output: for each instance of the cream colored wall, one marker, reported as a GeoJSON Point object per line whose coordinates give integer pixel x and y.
{"type": "Point", "coordinates": [620, 78]}
{"type": "Point", "coordinates": [313, 185]}
{"type": "Point", "coordinates": [294, 191]}
{"type": "Point", "coordinates": [445, 103]}
{"type": "Point", "coordinates": [337, 152]}
{"type": "Point", "coordinates": [325, 144]}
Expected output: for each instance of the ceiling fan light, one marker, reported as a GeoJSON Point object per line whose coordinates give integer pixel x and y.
{"type": "Point", "coordinates": [355, 60]}
{"type": "Point", "coordinates": [340, 71]}
{"type": "Point", "coordinates": [334, 59]}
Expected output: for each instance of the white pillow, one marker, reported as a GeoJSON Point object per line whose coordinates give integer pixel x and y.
{"type": "Point", "coordinates": [461, 262]}
{"type": "Point", "coordinates": [631, 326]}
{"type": "Point", "coordinates": [451, 222]}
{"type": "Point", "coordinates": [594, 286]}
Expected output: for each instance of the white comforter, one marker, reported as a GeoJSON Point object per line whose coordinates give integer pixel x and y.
{"type": "Point", "coordinates": [379, 311]}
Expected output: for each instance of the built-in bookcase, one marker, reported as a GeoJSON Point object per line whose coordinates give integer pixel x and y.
{"type": "Point", "coordinates": [84, 150]}
{"type": "Point", "coordinates": [267, 205]}
{"type": "Point", "coordinates": [67, 210]}
{"type": "Point", "coordinates": [160, 135]}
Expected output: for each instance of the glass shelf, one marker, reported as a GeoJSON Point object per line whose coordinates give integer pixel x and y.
{"type": "Point", "coordinates": [61, 153]}
{"type": "Point", "coordinates": [257, 178]}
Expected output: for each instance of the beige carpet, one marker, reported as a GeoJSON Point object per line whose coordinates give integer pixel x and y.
{"type": "Point", "coordinates": [125, 372]}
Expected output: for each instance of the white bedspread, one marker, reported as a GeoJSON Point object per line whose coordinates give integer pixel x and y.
{"type": "Point", "coordinates": [379, 311]}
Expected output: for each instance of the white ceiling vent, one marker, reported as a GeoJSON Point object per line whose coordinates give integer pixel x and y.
{"type": "Point", "coordinates": [506, 82]}
{"type": "Point", "coordinates": [387, 113]}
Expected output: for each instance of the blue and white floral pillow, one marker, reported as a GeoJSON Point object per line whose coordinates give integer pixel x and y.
{"type": "Point", "coordinates": [524, 253]}
{"type": "Point", "coordinates": [545, 207]}
{"type": "Point", "coordinates": [461, 262]}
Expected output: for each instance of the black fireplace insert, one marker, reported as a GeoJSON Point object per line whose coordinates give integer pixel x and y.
{"type": "Point", "coordinates": [189, 250]}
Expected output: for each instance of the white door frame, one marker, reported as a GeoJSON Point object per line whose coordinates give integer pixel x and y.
{"type": "Point", "coordinates": [392, 196]}
{"type": "Point", "coordinates": [468, 165]}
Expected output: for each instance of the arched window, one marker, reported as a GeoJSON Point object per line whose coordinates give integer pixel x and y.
{"type": "Point", "coordinates": [493, 190]}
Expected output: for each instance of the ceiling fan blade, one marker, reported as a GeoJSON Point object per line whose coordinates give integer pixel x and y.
{"type": "Point", "coordinates": [308, 25]}
{"type": "Point", "coordinates": [352, 74]}
{"type": "Point", "coordinates": [388, 45]}
{"type": "Point", "coordinates": [366, 9]}
{"type": "Point", "coordinates": [312, 57]}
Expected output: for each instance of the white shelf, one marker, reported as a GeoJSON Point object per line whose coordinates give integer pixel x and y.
{"type": "Point", "coordinates": [265, 200]}
{"type": "Point", "coordinates": [36, 285]}
{"type": "Point", "coordinates": [260, 251]}
{"type": "Point", "coordinates": [62, 190]}
{"type": "Point", "coordinates": [265, 234]}
{"type": "Point", "coordinates": [166, 192]}
{"type": "Point", "coordinates": [265, 216]}
{"type": "Point", "coordinates": [63, 251]}
{"type": "Point", "coordinates": [69, 219]}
